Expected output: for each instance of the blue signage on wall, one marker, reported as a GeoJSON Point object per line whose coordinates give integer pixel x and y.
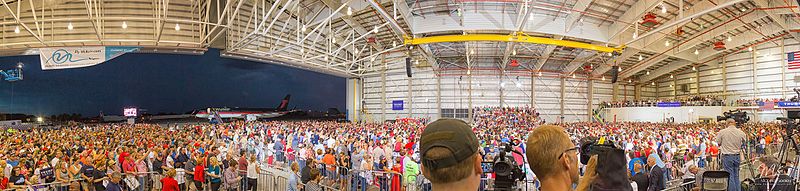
{"type": "Point", "coordinates": [788, 104]}
{"type": "Point", "coordinates": [397, 105]}
{"type": "Point", "coordinates": [668, 104]}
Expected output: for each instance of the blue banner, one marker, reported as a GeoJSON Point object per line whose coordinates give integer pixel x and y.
{"type": "Point", "coordinates": [788, 104]}
{"type": "Point", "coordinates": [668, 104]}
{"type": "Point", "coordinates": [397, 105]}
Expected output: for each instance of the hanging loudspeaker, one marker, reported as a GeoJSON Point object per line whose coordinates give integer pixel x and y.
{"type": "Point", "coordinates": [408, 67]}
{"type": "Point", "coordinates": [614, 70]}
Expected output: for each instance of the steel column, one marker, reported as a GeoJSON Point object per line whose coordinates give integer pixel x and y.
{"type": "Point", "coordinates": [590, 93]}
{"type": "Point", "coordinates": [533, 91]}
{"type": "Point", "coordinates": [755, 73]}
{"type": "Point", "coordinates": [439, 95]}
{"type": "Point", "coordinates": [724, 78]}
{"type": "Point", "coordinates": [561, 98]}
{"type": "Point", "coordinates": [614, 92]}
{"type": "Point", "coordinates": [697, 82]}
{"type": "Point", "coordinates": [783, 68]}
{"type": "Point", "coordinates": [383, 93]}
{"type": "Point", "coordinates": [410, 100]}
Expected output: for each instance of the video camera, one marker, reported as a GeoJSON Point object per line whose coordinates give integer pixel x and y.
{"type": "Point", "coordinates": [610, 163]}
{"type": "Point", "coordinates": [739, 116]}
{"type": "Point", "coordinates": [507, 170]}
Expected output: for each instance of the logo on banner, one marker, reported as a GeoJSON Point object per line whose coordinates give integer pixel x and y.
{"type": "Point", "coordinates": [788, 104]}
{"type": "Point", "coordinates": [397, 105]}
{"type": "Point", "coordinates": [76, 57]}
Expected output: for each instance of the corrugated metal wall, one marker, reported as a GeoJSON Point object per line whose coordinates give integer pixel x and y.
{"type": "Point", "coordinates": [736, 75]}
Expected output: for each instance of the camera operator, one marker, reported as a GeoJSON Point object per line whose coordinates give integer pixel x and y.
{"type": "Point", "coordinates": [554, 160]}
{"type": "Point", "coordinates": [731, 140]}
{"type": "Point", "coordinates": [450, 158]}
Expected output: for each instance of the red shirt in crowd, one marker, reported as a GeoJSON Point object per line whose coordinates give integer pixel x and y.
{"type": "Point", "coordinates": [169, 184]}
{"type": "Point", "coordinates": [199, 173]}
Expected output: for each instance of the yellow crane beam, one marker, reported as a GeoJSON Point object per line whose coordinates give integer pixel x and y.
{"type": "Point", "coordinates": [509, 38]}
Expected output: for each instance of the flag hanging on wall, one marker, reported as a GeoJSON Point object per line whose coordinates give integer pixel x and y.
{"type": "Point", "coordinates": [793, 59]}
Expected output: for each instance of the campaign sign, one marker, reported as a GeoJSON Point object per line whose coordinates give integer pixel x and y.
{"type": "Point", "coordinates": [788, 104]}
{"type": "Point", "coordinates": [397, 105]}
{"type": "Point", "coordinates": [668, 104]}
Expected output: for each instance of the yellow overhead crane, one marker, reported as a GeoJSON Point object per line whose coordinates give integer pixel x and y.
{"type": "Point", "coordinates": [520, 38]}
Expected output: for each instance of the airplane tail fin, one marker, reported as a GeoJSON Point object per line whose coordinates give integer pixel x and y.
{"type": "Point", "coordinates": [284, 103]}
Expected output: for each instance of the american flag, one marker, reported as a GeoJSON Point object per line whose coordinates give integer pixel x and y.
{"type": "Point", "coordinates": [793, 59]}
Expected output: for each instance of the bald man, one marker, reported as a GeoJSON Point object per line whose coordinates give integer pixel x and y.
{"type": "Point", "coordinates": [554, 159]}
{"type": "Point", "coordinates": [730, 141]}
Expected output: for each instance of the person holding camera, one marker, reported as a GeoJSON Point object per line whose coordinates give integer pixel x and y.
{"type": "Point", "coordinates": [449, 155]}
{"type": "Point", "coordinates": [554, 160]}
{"type": "Point", "coordinates": [731, 140]}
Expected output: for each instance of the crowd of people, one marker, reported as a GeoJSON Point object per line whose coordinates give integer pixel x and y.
{"type": "Point", "coordinates": [689, 101]}
{"type": "Point", "coordinates": [316, 154]}
{"type": "Point", "coordinates": [754, 102]}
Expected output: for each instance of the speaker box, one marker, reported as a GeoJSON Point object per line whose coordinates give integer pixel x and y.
{"type": "Point", "coordinates": [614, 71]}
{"type": "Point", "coordinates": [408, 67]}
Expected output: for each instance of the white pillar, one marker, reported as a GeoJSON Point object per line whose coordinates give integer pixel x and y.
{"type": "Point", "coordinates": [354, 90]}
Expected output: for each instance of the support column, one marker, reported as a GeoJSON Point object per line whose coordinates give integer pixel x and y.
{"type": "Point", "coordinates": [469, 97]}
{"type": "Point", "coordinates": [439, 95]}
{"type": "Point", "coordinates": [353, 99]}
{"type": "Point", "coordinates": [724, 78]}
{"type": "Point", "coordinates": [674, 87]}
{"type": "Point", "coordinates": [657, 92]}
{"type": "Point", "coordinates": [533, 91]}
{"type": "Point", "coordinates": [590, 104]}
{"type": "Point", "coordinates": [615, 92]}
{"type": "Point", "coordinates": [755, 73]}
{"type": "Point", "coordinates": [410, 98]}
{"type": "Point", "coordinates": [783, 68]}
{"type": "Point", "coordinates": [383, 94]}
{"type": "Point", "coordinates": [561, 98]}
{"type": "Point", "coordinates": [637, 92]}
{"type": "Point", "coordinates": [697, 82]}
{"type": "Point", "coordinates": [502, 96]}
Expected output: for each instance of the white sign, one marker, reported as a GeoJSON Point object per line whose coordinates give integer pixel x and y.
{"type": "Point", "coordinates": [129, 112]}
{"type": "Point", "coordinates": [77, 57]}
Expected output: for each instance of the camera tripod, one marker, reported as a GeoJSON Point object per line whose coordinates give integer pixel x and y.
{"type": "Point", "coordinates": [789, 142]}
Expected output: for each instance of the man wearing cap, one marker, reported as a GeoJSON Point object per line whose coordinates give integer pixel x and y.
{"type": "Point", "coordinates": [449, 155]}
{"type": "Point", "coordinates": [730, 141]}
{"type": "Point", "coordinates": [554, 160]}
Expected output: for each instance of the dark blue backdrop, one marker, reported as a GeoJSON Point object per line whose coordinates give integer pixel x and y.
{"type": "Point", "coordinates": [165, 83]}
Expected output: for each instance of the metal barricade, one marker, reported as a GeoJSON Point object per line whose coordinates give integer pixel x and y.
{"type": "Point", "coordinates": [54, 186]}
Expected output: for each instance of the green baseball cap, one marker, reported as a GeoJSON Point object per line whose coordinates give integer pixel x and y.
{"type": "Point", "coordinates": [453, 134]}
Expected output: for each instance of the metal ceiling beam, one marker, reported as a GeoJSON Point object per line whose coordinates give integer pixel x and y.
{"type": "Point", "coordinates": [522, 21]}
{"type": "Point", "coordinates": [578, 61]}
{"type": "Point", "coordinates": [743, 39]}
{"type": "Point", "coordinates": [16, 17]}
{"type": "Point", "coordinates": [669, 68]}
{"type": "Point", "coordinates": [576, 13]}
{"type": "Point", "coordinates": [382, 11]}
{"type": "Point", "coordinates": [649, 41]}
{"type": "Point", "coordinates": [697, 38]}
{"type": "Point", "coordinates": [654, 60]}
{"type": "Point", "coordinates": [508, 38]}
{"type": "Point", "coordinates": [778, 19]}
{"type": "Point", "coordinates": [703, 10]}
{"type": "Point", "coordinates": [352, 23]}
{"type": "Point", "coordinates": [634, 13]}
{"type": "Point", "coordinates": [605, 67]}
{"type": "Point", "coordinates": [546, 55]}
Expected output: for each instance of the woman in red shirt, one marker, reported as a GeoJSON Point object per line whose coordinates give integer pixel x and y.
{"type": "Point", "coordinates": [169, 183]}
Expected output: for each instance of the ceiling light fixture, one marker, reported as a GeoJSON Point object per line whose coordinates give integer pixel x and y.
{"type": "Point", "coordinates": [640, 57]}
{"type": "Point", "coordinates": [635, 35]}
{"type": "Point", "coordinates": [514, 52]}
{"type": "Point", "coordinates": [177, 27]}
{"type": "Point", "coordinates": [573, 76]}
{"type": "Point", "coordinates": [663, 8]}
{"type": "Point", "coordinates": [69, 26]}
{"type": "Point", "coordinates": [540, 73]}
{"type": "Point", "coordinates": [648, 72]}
{"type": "Point", "coordinates": [604, 78]}
{"type": "Point", "coordinates": [694, 69]}
{"type": "Point", "coordinates": [619, 69]}
{"type": "Point", "coordinates": [666, 43]}
{"type": "Point", "coordinates": [696, 52]}
{"type": "Point", "coordinates": [629, 81]}
{"type": "Point", "coordinates": [729, 38]}
{"type": "Point", "coordinates": [653, 83]}
{"type": "Point", "coordinates": [303, 28]}
{"type": "Point", "coordinates": [750, 48]}
{"type": "Point", "coordinates": [349, 11]}
{"type": "Point", "coordinates": [671, 76]}
{"type": "Point", "coordinates": [16, 29]}
{"type": "Point", "coordinates": [124, 24]}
